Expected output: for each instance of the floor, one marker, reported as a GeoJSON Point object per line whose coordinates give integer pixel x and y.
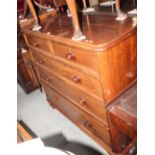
{"type": "Point", "coordinates": [50, 125]}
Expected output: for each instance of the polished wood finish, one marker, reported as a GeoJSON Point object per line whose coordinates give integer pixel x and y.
{"type": "Point", "coordinates": [78, 35]}
{"type": "Point", "coordinates": [83, 78]}
{"type": "Point", "coordinates": [38, 43]}
{"type": "Point", "coordinates": [76, 56]}
{"type": "Point", "coordinates": [77, 96]}
{"type": "Point", "coordinates": [80, 79]}
{"type": "Point", "coordinates": [119, 65]}
{"type": "Point", "coordinates": [81, 119]}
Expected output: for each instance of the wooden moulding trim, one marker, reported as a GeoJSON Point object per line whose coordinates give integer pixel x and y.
{"type": "Point", "coordinates": [83, 45]}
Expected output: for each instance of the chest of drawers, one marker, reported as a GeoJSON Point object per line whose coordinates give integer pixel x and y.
{"type": "Point", "coordinates": [81, 79]}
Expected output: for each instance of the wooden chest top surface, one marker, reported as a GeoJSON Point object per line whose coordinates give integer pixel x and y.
{"type": "Point", "coordinates": [101, 31]}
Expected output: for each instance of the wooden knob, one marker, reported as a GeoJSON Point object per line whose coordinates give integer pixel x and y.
{"type": "Point", "coordinates": [70, 56]}
{"type": "Point", "coordinates": [48, 79]}
{"type": "Point", "coordinates": [76, 79]}
{"type": "Point", "coordinates": [83, 101]}
{"type": "Point", "coordinates": [87, 124]}
{"type": "Point", "coordinates": [35, 44]}
{"type": "Point", "coordinates": [41, 61]}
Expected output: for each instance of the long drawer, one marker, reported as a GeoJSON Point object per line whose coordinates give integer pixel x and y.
{"type": "Point", "coordinates": [85, 59]}
{"type": "Point", "coordinates": [83, 80]}
{"type": "Point", "coordinates": [81, 99]}
{"type": "Point", "coordinates": [78, 116]}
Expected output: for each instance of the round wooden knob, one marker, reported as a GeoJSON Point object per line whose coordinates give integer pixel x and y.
{"type": "Point", "coordinates": [87, 124]}
{"type": "Point", "coordinates": [41, 61]}
{"type": "Point", "coordinates": [70, 56]}
{"type": "Point", "coordinates": [76, 79]}
{"type": "Point", "coordinates": [48, 79]}
{"type": "Point", "coordinates": [35, 44]}
{"type": "Point", "coordinates": [83, 101]}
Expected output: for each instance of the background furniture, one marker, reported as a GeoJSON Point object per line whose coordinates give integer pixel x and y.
{"type": "Point", "coordinates": [109, 3]}
{"type": "Point", "coordinates": [123, 119]}
{"type": "Point", "coordinates": [26, 74]}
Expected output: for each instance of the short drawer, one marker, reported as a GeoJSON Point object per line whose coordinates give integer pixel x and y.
{"type": "Point", "coordinates": [75, 56]}
{"type": "Point", "coordinates": [88, 103]}
{"type": "Point", "coordinates": [39, 43]}
{"type": "Point", "coordinates": [80, 79]}
{"type": "Point", "coordinates": [78, 116]}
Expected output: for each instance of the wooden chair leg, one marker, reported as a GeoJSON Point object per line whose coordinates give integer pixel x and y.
{"type": "Point", "coordinates": [120, 14]}
{"type": "Point", "coordinates": [77, 30]}
{"type": "Point", "coordinates": [36, 23]}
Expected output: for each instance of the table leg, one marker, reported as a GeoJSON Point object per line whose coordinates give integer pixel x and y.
{"type": "Point", "coordinates": [84, 4]}
{"type": "Point", "coordinates": [77, 30]}
{"type": "Point", "coordinates": [36, 20]}
{"type": "Point", "coordinates": [120, 14]}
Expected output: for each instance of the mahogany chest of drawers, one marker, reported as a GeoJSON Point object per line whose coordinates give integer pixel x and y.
{"type": "Point", "coordinates": [81, 79]}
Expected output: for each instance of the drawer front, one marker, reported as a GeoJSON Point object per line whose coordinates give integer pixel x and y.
{"type": "Point", "coordinates": [79, 117]}
{"type": "Point", "coordinates": [75, 56]}
{"type": "Point", "coordinates": [83, 80]}
{"type": "Point", "coordinates": [39, 43]}
{"type": "Point", "coordinates": [81, 99]}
